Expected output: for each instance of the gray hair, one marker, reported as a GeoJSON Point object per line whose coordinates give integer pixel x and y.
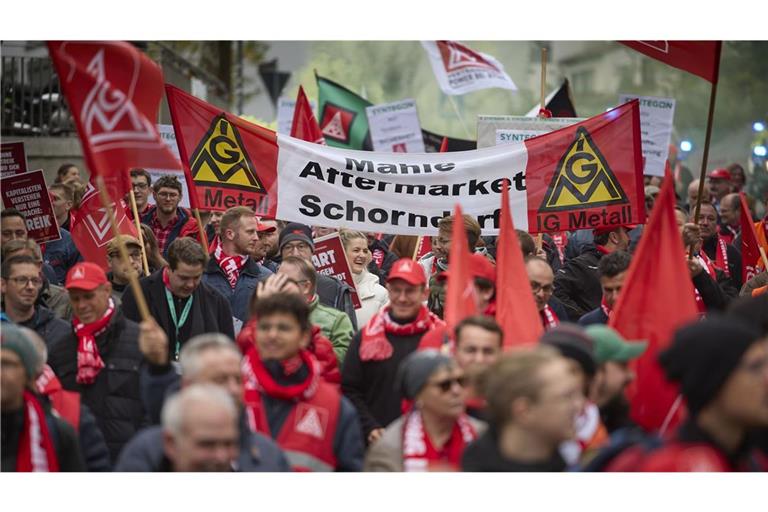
{"type": "Point", "coordinates": [190, 354]}
{"type": "Point", "coordinates": [208, 395]}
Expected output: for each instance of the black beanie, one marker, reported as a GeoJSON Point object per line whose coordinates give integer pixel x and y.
{"type": "Point", "coordinates": [703, 355]}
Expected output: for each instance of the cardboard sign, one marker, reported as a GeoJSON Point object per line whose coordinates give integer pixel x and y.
{"type": "Point", "coordinates": [395, 127]}
{"type": "Point", "coordinates": [13, 160]}
{"type": "Point", "coordinates": [495, 130]}
{"type": "Point", "coordinates": [331, 260]}
{"type": "Point", "coordinates": [28, 193]}
{"type": "Point", "coordinates": [656, 118]}
{"type": "Point", "coordinates": [285, 108]}
{"type": "Point", "coordinates": [169, 137]}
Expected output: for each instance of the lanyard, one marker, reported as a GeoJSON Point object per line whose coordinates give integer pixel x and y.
{"type": "Point", "coordinates": [178, 323]}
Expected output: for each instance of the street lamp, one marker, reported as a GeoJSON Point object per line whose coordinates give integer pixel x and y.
{"type": "Point", "coordinates": [686, 146]}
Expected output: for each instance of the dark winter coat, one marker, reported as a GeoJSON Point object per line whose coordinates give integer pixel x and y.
{"type": "Point", "coordinates": [45, 323]}
{"type": "Point", "coordinates": [114, 397]}
{"type": "Point", "coordinates": [61, 254]}
{"type": "Point", "coordinates": [210, 311]}
{"type": "Point", "coordinates": [483, 455]}
{"type": "Point", "coordinates": [577, 284]}
{"type": "Point", "coordinates": [710, 247]}
{"type": "Point", "coordinates": [250, 276]}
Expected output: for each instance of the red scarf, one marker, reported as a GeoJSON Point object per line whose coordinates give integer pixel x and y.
{"type": "Point", "coordinates": [490, 309]}
{"type": "Point", "coordinates": [374, 345]}
{"type": "Point", "coordinates": [605, 307]}
{"type": "Point", "coordinates": [36, 452]}
{"type": "Point", "coordinates": [89, 362]}
{"type": "Point", "coordinates": [710, 270]}
{"type": "Point", "coordinates": [548, 318]}
{"type": "Point", "coordinates": [721, 257]}
{"type": "Point", "coordinates": [257, 378]}
{"type": "Point", "coordinates": [418, 452]}
{"type": "Point", "coordinates": [378, 257]}
{"type": "Point", "coordinates": [47, 382]}
{"type": "Point", "coordinates": [231, 265]}
{"type": "Point", "coordinates": [561, 241]}
{"type": "Point", "coordinates": [602, 250]}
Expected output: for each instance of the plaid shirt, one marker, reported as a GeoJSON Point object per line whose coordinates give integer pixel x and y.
{"type": "Point", "coordinates": [162, 233]}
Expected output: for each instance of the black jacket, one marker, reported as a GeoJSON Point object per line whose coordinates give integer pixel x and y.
{"type": "Point", "coordinates": [710, 247]}
{"type": "Point", "coordinates": [483, 455]}
{"type": "Point", "coordinates": [370, 384]}
{"type": "Point", "coordinates": [596, 316]}
{"type": "Point", "coordinates": [337, 295]}
{"type": "Point", "coordinates": [711, 291]}
{"type": "Point", "coordinates": [210, 311]}
{"type": "Point", "coordinates": [389, 259]}
{"type": "Point", "coordinates": [144, 453]}
{"type": "Point", "coordinates": [577, 284]}
{"type": "Point", "coordinates": [114, 397]}
{"type": "Point", "coordinates": [45, 323]}
{"type": "Point", "coordinates": [63, 435]}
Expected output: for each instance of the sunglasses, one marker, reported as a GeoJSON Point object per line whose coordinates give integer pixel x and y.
{"type": "Point", "coordinates": [446, 385]}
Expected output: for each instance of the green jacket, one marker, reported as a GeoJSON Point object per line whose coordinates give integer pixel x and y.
{"type": "Point", "coordinates": [335, 325]}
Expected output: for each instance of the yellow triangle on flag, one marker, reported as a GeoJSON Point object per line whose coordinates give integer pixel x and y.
{"type": "Point", "coordinates": [220, 158]}
{"type": "Point", "coordinates": [582, 179]}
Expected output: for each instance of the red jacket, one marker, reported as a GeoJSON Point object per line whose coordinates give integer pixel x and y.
{"type": "Point", "coordinates": [319, 345]}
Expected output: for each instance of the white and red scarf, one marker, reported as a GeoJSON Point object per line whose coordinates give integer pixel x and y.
{"type": "Point", "coordinates": [89, 362]}
{"type": "Point", "coordinates": [605, 307]}
{"type": "Point", "coordinates": [548, 318]}
{"type": "Point", "coordinates": [721, 257]}
{"type": "Point", "coordinates": [231, 265]}
{"type": "Point", "coordinates": [374, 345]}
{"type": "Point", "coordinates": [418, 451]}
{"type": "Point", "coordinates": [709, 268]}
{"type": "Point", "coordinates": [36, 451]}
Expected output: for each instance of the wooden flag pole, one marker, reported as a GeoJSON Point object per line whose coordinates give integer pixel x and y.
{"type": "Point", "coordinates": [135, 209]}
{"type": "Point", "coordinates": [458, 114]}
{"type": "Point", "coordinates": [417, 248]}
{"type": "Point", "coordinates": [543, 77]}
{"type": "Point", "coordinates": [703, 173]}
{"type": "Point", "coordinates": [203, 237]}
{"type": "Point", "coordinates": [132, 277]}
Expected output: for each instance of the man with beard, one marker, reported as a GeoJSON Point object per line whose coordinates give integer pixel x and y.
{"type": "Point", "coordinates": [167, 219]}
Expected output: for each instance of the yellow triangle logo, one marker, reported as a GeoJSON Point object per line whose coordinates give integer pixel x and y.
{"type": "Point", "coordinates": [582, 179]}
{"type": "Point", "coordinates": [220, 159]}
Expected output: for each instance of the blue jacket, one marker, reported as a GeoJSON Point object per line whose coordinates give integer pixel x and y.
{"type": "Point", "coordinates": [145, 453]}
{"type": "Point", "coordinates": [596, 316]}
{"type": "Point", "coordinates": [251, 274]}
{"type": "Point", "coordinates": [61, 254]}
{"type": "Point", "coordinates": [185, 226]}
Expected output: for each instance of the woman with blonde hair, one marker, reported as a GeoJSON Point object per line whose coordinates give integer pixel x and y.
{"type": "Point", "coordinates": [372, 295]}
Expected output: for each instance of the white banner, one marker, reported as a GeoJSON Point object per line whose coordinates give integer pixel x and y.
{"type": "Point", "coordinates": [460, 69]}
{"type": "Point", "coordinates": [285, 109]}
{"type": "Point", "coordinates": [493, 130]}
{"type": "Point", "coordinates": [395, 127]}
{"type": "Point", "coordinates": [343, 188]}
{"type": "Point", "coordinates": [169, 137]}
{"type": "Point", "coordinates": [656, 118]}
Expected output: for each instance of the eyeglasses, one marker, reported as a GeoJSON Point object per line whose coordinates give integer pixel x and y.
{"type": "Point", "coordinates": [23, 281]}
{"type": "Point", "coordinates": [168, 195]}
{"type": "Point", "coordinates": [301, 246]}
{"type": "Point", "coordinates": [537, 287]}
{"type": "Point", "coordinates": [140, 186]}
{"type": "Point", "coordinates": [446, 385]}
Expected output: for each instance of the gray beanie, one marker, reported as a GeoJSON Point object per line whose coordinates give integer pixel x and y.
{"type": "Point", "coordinates": [415, 370]}
{"type": "Point", "coordinates": [15, 340]}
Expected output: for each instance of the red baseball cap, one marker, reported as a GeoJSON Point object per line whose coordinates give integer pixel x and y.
{"type": "Point", "coordinates": [85, 276]}
{"type": "Point", "coordinates": [263, 228]}
{"type": "Point", "coordinates": [720, 174]}
{"type": "Point", "coordinates": [407, 270]}
{"type": "Point", "coordinates": [480, 266]}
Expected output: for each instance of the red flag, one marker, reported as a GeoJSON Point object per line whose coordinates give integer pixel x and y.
{"type": "Point", "coordinates": [91, 230]}
{"type": "Point", "coordinates": [516, 310]}
{"type": "Point", "coordinates": [460, 301]}
{"type": "Point", "coordinates": [750, 249]}
{"type": "Point", "coordinates": [227, 160]}
{"type": "Point", "coordinates": [305, 125]}
{"type": "Point", "coordinates": [656, 299]}
{"type": "Point", "coordinates": [444, 145]}
{"type": "Point", "coordinates": [113, 91]}
{"type": "Point", "coordinates": [702, 58]}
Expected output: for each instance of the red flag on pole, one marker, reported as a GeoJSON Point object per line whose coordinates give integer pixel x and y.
{"type": "Point", "coordinates": [750, 249]}
{"type": "Point", "coordinates": [656, 299]}
{"type": "Point", "coordinates": [460, 299]}
{"type": "Point", "coordinates": [702, 58]}
{"type": "Point", "coordinates": [444, 145]}
{"type": "Point", "coordinates": [305, 125]}
{"type": "Point", "coordinates": [516, 311]}
{"type": "Point", "coordinates": [113, 91]}
{"type": "Point", "coordinates": [91, 230]}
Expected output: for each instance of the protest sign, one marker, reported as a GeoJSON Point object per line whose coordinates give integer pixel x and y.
{"type": "Point", "coordinates": [169, 137]}
{"type": "Point", "coordinates": [580, 177]}
{"type": "Point", "coordinates": [330, 260]}
{"type": "Point", "coordinates": [28, 193]}
{"type": "Point", "coordinates": [395, 127]}
{"type": "Point", "coordinates": [656, 118]}
{"type": "Point", "coordinates": [493, 130]}
{"type": "Point", "coordinates": [13, 159]}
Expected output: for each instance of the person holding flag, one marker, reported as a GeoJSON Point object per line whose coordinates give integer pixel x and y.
{"type": "Point", "coordinates": [716, 252]}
